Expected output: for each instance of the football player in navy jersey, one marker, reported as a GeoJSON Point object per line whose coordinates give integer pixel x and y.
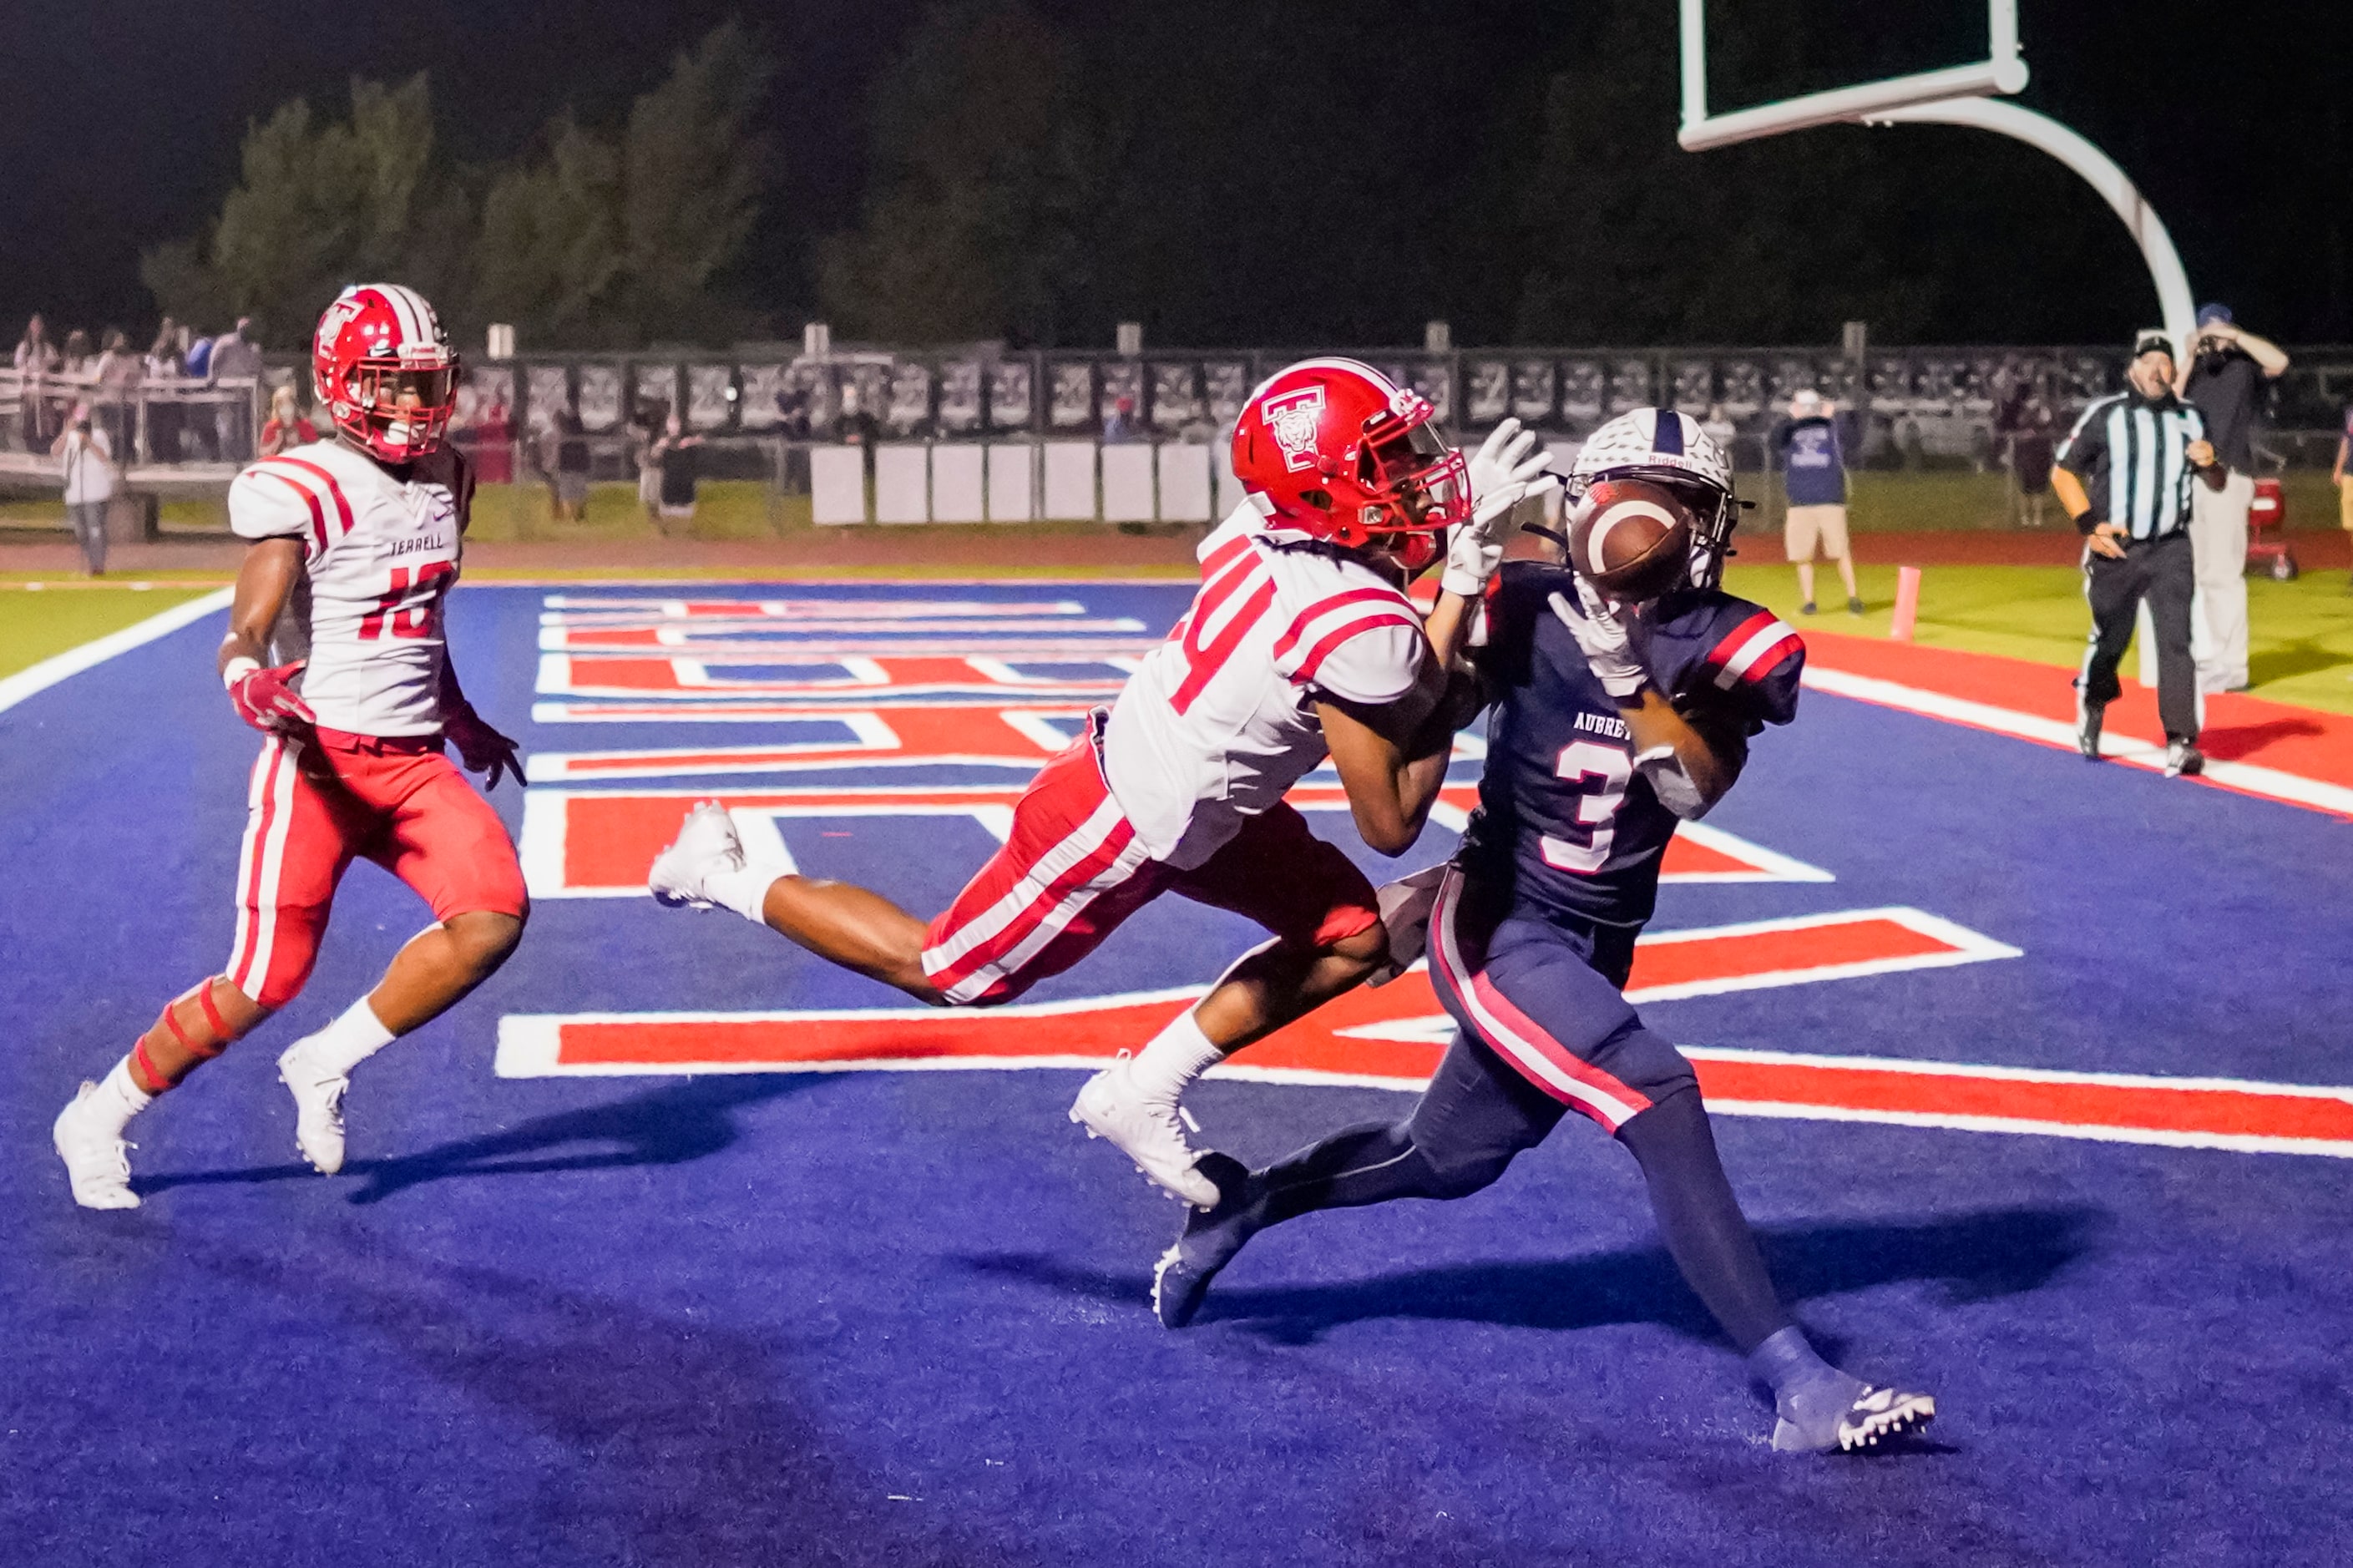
{"type": "Point", "coordinates": [1610, 722]}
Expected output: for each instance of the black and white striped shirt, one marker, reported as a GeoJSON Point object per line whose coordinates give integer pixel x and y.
{"type": "Point", "coordinates": [2132, 455]}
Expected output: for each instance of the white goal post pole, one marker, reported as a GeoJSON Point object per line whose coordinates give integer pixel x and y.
{"type": "Point", "coordinates": [2174, 301]}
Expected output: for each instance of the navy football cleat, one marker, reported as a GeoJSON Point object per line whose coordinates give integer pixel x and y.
{"type": "Point", "coordinates": [1208, 1243]}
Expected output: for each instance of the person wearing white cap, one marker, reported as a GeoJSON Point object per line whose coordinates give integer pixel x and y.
{"type": "Point", "coordinates": [1813, 472]}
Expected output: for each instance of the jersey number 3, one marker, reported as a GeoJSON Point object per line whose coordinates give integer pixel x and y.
{"type": "Point", "coordinates": [1608, 768]}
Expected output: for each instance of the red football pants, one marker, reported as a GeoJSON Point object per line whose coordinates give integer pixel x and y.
{"type": "Point", "coordinates": [1071, 870]}
{"type": "Point", "coordinates": [321, 801]}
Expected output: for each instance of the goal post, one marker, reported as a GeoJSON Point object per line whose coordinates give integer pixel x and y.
{"type": "Point", "coordinates": [1958, 95]}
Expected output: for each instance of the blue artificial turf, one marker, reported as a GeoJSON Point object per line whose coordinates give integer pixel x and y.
{"type": "Point", "coordinates": [900, 1318]}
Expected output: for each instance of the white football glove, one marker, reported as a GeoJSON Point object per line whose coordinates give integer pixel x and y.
{"type": "Point", "coordinates": [1600, 628]}
{"type": "Point", "coordinates": [1509, 467]}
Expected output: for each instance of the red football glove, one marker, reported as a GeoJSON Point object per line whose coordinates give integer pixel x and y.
{"type": "Point", "coordinates": [266, 698]}
{"type": "Point", "coordinates": [481, 748]}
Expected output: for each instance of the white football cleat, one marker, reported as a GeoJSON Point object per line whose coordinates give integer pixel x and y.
{"type": "Point", "coordinates": [318, 1107]}
{"type": "Point", "coordinates": [706, 842]}
{"type": "Point", "coordinates": [1146, 1130]}
{"type": "Point", "coordinates": [98, 1158]}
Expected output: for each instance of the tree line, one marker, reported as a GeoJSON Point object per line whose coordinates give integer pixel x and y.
{"type": "Point", "coordinates": [1260, 172]}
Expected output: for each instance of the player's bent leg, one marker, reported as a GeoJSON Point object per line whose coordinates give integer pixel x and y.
{"type": "Point", "coordinates": [436, 969]}
{"type": "Point", "coordinates": [1475, 1117]}
{"type": "Point", "coordinates": [705, 868]}
{"type": "Point", "coordinates": [88, 1134]}
{"type": "Point", "coordinates": [1328, 938]}
{"type": "Point", "coordinates": [1817, 1407]}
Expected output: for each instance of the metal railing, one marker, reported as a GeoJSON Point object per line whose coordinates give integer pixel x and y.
{"type": "Point", "coordinates": [181, 430]}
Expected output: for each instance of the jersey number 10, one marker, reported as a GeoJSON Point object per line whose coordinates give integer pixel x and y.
{"type": "Point", "coordinates": [412, 605]}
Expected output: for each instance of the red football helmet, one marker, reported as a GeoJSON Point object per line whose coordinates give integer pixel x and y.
{"type": "Point", "coordinates": [1340, 452]}
{"type": "Point", "coordinates": [384, 370]}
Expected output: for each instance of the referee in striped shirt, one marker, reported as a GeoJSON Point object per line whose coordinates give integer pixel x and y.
{"type": "Point", "coordinates": [2124, 476]}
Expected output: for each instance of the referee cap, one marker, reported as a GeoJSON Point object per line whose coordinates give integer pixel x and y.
{"type": "Point", "coordinates": [2151, 342]}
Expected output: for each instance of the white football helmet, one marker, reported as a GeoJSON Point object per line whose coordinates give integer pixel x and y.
{"type": "Point", "coordinates": [1670, 449]}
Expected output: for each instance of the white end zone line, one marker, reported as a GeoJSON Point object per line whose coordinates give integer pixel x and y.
{"type": "Point", "coordinates": [39, 678]}
{"type": "Point", "coordinates": [2247, 778]}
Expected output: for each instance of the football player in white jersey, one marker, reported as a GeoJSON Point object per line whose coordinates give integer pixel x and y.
{"type": "Point", "coordinates": [335, 654]}
{"type": "Point", "coordinates": [1301, 643]}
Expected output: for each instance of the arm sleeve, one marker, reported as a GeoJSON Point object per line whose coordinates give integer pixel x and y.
{"type": "Point", "coordinates": [1375, 664]}
{"type": "Point", "coordinates": [1742, 671]}
{"type": "Point", "coordinates": [265, 505]}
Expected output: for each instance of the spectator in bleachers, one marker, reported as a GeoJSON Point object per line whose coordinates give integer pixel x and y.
{"type": "Point", "coordinates": [164, 370]}
{"type": "Point", "coordinates": [36, 359]}
{"type": "Point", "coordinates": [199, 435]}
{"type": "Point", "coordinates": [86, 457]}
{"type": "Point", "coordinates": [119, 372]}
{"type": "Point", "coordinates": [286, 427]}
{"type": "Point", "coordinates": [1121, 424]}
{"type": "Point", "coordinates": [1811, 452]}
{"type": "Point", "coordinates": [236, 357]}
{"type": "Point", "coordinates": [76, 359]}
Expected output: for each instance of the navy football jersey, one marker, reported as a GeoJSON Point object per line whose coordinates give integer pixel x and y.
{"type": "Point", "coordinates": [1563, 813]}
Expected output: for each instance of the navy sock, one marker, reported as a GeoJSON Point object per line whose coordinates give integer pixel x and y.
{"type": "Point", "coordinates": [1700, 1221]}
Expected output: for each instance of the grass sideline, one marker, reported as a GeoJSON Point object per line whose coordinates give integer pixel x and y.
{"type": "Point", "coordinates": [2300, 648]}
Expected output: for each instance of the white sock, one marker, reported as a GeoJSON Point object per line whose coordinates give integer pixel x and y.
{"type": "Point", "coordinates": [350, 1040]}
{"type": "Point", "coordinates": [118, 1098]}
{"type": "Point", "coordinates": [1176, 1055]}
{"type": "Point", "coordinates": [743, 888]}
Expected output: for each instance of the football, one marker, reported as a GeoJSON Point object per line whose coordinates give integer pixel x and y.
{"type": "Point", "coordinates": [1631, 539]}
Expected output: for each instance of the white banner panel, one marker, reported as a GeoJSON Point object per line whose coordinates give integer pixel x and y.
{"type": "Point", "coordinates": [837, 484]}
{"type": "Point", "coordinates": [1012, 481]}
{"type": "Point", "coordinates": [902, 482]}
{"type": "Point", "coordinates": [958, 488]}
{"type": "Point", "coordinates": [1127, 482]}
{"type": "Point", "coordinates": [1184, 483]}
{"type": "Point", "coordinates": [1070, 480]}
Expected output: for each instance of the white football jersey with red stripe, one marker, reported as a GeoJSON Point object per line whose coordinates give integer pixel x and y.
{"type": "Point", "coordinates": [378, 555]}
{"type": "Point", "coordinates": [1219, 721]}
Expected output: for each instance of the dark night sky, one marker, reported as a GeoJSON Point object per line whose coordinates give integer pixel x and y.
{"type": "Point", "coordinates": [122, 119]}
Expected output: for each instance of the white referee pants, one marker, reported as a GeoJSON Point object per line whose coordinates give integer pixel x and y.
{"type": "Point", "coordinates": [2218, 621]}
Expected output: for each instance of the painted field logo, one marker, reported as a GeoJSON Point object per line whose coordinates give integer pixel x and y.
{"type": "Point", "coordinates": [1293, 420]}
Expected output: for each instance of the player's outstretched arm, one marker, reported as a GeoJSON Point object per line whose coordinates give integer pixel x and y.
{"type": "Point", "coordinates": [1392, 758]}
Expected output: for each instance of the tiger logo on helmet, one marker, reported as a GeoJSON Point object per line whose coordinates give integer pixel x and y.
{"type": "Point", "coordinates": [383, 369]}
{"type": "Point", "coordinates": [1668, 450]}
{"type": "Point", "coordinates": [1335, 452]}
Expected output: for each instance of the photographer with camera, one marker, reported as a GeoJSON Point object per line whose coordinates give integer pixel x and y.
{"type": "Point", "coordinates": [87, 458]}
{"type": "Point", "coordinates": [2228, 372]}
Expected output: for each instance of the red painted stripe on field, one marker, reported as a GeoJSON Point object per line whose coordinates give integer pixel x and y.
{"type": "Point", "coordinates": [2300, 741]}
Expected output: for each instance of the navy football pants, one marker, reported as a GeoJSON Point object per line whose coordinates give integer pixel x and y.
{"type": "Point", "coordinates": [1563, 1034]}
